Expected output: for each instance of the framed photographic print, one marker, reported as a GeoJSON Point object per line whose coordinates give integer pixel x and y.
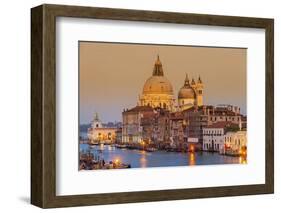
{"type": "Point", "coordinates": [136, 106]}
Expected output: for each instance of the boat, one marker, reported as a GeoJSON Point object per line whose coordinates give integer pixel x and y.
{"type": "Point", "coordinates": [94, 143]}
{"type": "Point", "coordinates": [121, 146]}
{"type": "Point", "coordinates": [150, 149]}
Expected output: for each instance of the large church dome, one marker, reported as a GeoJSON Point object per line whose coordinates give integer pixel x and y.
{"type": "Point", "coordinates": [157, 85]}
{"type": "Point", "coordinates": [157, 90]}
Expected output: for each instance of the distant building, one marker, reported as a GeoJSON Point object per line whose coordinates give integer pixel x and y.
{"type": "Point", "coordinates": [98, 133]}
{"type": "Point", "coordinates": [119, 135]}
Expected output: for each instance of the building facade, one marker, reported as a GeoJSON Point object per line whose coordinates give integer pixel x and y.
{"type": "Point", "coordinates": [132, 130]}
{"type": "Point", "coordinates": [213, 136]}
{"type": "Point", "coordinates": [236, 142]}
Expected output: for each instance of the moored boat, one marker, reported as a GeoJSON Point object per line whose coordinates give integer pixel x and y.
{"type": "Point", "coordinates": [150, 149]}
{"type": "Point", "coordinates": [121, 146]}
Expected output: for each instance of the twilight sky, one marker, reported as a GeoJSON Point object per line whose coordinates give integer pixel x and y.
{"type": "Point", "coordinates": [112, 75]}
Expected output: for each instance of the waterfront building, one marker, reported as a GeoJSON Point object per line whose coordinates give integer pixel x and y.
{"type": "Point", "coordinates": [147, 127]}
{"type": "Point", "coordinates": [235, 142]}
{"type": "Point", "coordinates": [119, 135]}
{"type": "Point", "coordinates": [196, 118]}
{"type": "Point", "coordinates": [161, 128]}
{"type": "Point", "coordinates": [199, 118]}
{"type": "Point", "coordinates": [98, 133]}
{"type": "Point", "coordinates": [178, 130]}
{"type": "Point", "coordinates": [213, 135]}
{"type": "Point", "coordinates": [132, 130]}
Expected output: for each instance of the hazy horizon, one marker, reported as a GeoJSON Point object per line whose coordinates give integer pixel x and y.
{"type": "Point", "coordinates": [112, 75]}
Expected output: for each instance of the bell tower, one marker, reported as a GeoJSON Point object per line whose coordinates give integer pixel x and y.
{"type": "Point", "coordinates": [96, 123]}
{"type": "Point", "coordinates": [199, 91]}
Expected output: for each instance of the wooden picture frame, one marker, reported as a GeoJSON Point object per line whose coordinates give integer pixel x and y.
{"type": "Point", "coordinates": [43, 105]}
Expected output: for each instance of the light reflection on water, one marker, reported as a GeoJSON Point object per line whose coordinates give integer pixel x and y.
{"type": "Point", "coordinates": [143, 159]}
{"type": "Point", "coordinates": [192, 159]}
{"type": "Point", "coordinates": [243, 160]}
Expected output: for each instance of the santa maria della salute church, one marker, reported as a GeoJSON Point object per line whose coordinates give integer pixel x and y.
{"type": "Point", "coordinates": [160, 121]}
{"type": "Point", "coordinates": [158, 92]}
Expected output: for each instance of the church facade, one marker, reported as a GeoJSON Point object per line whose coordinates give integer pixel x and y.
{"type": "Point", "coordinates": [158, 91]}
{"type": "Point", "coordinates": [98, 133]}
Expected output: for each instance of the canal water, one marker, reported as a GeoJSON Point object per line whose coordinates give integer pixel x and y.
{"type": "Point", "coordinates": [143, 159]}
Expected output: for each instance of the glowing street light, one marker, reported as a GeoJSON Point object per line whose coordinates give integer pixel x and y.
{"type": "Point", "coordinates": [117, 161]}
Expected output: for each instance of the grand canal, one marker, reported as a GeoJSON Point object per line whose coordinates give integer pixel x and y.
{"type": "Point", "coordinates": [143, 159]}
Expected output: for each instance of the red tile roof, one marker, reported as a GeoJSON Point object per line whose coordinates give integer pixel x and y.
{"type": "Point", "coordinates": [221, 124]}
{"type": "Point", "coordinates": [140, 109]}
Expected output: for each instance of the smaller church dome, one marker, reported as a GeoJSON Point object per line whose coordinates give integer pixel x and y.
{"type": "Point", "coordinates": [186, 93]}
